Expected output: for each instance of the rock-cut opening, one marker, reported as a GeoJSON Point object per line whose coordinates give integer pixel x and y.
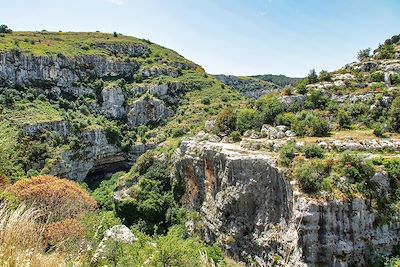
{"type": "Point", "coordinates": [105, 171]}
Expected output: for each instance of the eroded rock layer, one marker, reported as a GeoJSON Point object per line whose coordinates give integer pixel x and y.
{"type": "Point", "coordinates": [247, 205]}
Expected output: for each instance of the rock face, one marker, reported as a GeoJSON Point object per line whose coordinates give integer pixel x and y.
{"type": "Point", "coordinates": [247, 205]}
{"type": "Point", "coordinates": [114, 235]}
{"type": "Point", "coordinates": [113, 103]}
{"type": "Point", "coordinates": [146, 110]}
{"type": "Point", "coordinates": [94, 152]}
{"type": "Point", "coordinates": [59, 71]}
{"type": "Point", "coordinates": [241, 197]}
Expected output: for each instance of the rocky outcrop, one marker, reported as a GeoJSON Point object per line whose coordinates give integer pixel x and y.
{"type": "Point", "coordinates": [241, 196]}
{"type": "Point", "coordinates": [248, 206]}
{"type": "Point", "coordinates": [146, 110]}
{"type": "Point", "coordinates": [113, 103]}
{"type": "Point", "coordinates": [118, 234]}
{"type": "Point", "coordinates": [95, 152]}
{"type": "Point", "coordinates": [251, 87]}
{"type": "Point", "coordinates": [59, 127]}
{"type": "Point", "coordinates": [59, 71]}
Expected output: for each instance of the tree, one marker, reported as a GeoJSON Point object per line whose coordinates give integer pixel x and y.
{"type": "Point", "coordinates": [325, 76]}
{"type": "Point", "coordinates": [5, 29]}
{"type": "Point", "coordinates": [394, 114]}
{"type": "Point", "coordinates": [226, 120]}
{"type": "Point", "coordinates": [270, 107]}
{"type": "Point", "coordinates": [248, 119]}
{"type": "Point", "coordinates": [364, 54]}
{"type": "Point", "coordinates": [312, 76]}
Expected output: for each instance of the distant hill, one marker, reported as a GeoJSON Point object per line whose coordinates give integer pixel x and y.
{"type": "Point", "coordinates": [257, 85]}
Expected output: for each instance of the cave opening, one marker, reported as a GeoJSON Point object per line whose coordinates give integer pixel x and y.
{"type": "Point", "coordinates": [103, 172]}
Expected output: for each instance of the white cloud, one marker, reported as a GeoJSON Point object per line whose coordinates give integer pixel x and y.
{"type": "Point", "coordinates": [117, 2]}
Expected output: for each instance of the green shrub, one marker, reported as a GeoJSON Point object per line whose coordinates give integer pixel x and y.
{"type": "Point", "coordinates": [270, 107]}
{"type": "Point", "coordinates": [355, 168]}
{"type": "Point", "coordinates": [395, 79]}
{"type": "Point", "coordinates": [308, 123]}
{"type": "Point", "coordinates": [301, 87]}
{"type": "Point", "coordinates": [309, 174]}
{"type": "Point", "coordinates": [364, 54]}
{"type": "Point", "coordinates": [378, 130]}
{"type": "Point", "coordinates": [285, 119]}
{"type": "Point", "coordinates": [113, 134]}
{"type": "Point", "coordinates": [248, 119]}
{"type": "Point", "coordinates": [394, 115]}
{"type": "Point", "coordinates": [206, 101]}
{"type": "Point", "coordinates": [325, 76]}
{"type": "Point", "coordinates": [5, 29]}
{"type": "Point", "coordinates": [316, 100]}
{"type": "Point", "coordinates": [377, 76]}
{"type": "Point", "coordinates": [287, 154]}
{"type": "Point", "coordinates": [144, 162]}
{"type": "Point", "coordinates": [343, 119]}
{"type": "Point", "coordinates": [226, 120]}
{"type": "Point", "coordinates": [178, 132]}
{"type": "Point", "coordinates": [313, 151]}
{"type": "Point", "coordinates": [386, 52]}
{"type": "Point", "coordinates": [236, 136]}
{"type": "Point", "coordinates": [312, 76]}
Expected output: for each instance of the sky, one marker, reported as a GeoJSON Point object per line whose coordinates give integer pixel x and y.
{"type": "Point", "coordinates": [239, 37]}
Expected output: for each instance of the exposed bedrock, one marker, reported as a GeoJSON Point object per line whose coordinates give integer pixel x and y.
{"type": "Point", "coordinates": [248, 205]}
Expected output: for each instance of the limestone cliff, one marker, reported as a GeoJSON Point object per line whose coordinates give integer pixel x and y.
{"type": "Point", "coordinates": [247, 204]}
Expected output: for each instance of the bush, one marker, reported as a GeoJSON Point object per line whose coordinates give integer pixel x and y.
{"type": "Point", "coordinates": [378, 130]}
{"type": "Point", "coordinates": [312, 76]}
{"type": "Point", "coordinates": [144, 162]}
{"type": "Point", "coordinates": [316, 100]}
{"type": "Point", "coordinates": [270, 107]}
{"type": "Point", "coordinates": [394, 115]}
{"type": "Point", "coordinates": [285, 119]}
{"type": "Point", "coordinates": [206, 101]}
{"type": "Point", "coordinates": [177, 132]}
{"type": "Point", "coordinates": [313, 151]}
{"type": "Point", "coordinates": [310, 174]}
{"type": "Point", "coordinates": [5, 29]}
{"type": "Point", "coordinates": [236, 136]}
{"type": "Point", "coordinates": [364, 54]}
{"type": "Point", "coordinates": [226, 120]}
{"type": "Point", "coordinates": [343, 119]}
{"type": "Point", "coordinates": [248, 119]}
{"type": "Point", "coordinates": [287, 154]}
{"type": "Point", "coordinates": [301, 87]}
{"type": "Point", "coordinates": [59, 232]}
{"type": "Point", "coordinates": [325, 76]}
{"type": "Point", "coordinates": [58, 199]}
{"type": "Point", "coordinates": [355, 168]}
{"type": "Point", "coordinates": [386, 52]}
{"type": "Point", "coordinates": [308, 123]}
{"type": "Point", "coordinates": [113, 134]}
{"type": "Point", "coordinates": [377, 76]}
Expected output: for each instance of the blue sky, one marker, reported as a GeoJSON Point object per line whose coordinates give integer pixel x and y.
{"type": "Point", "coordinates": [239, 37]}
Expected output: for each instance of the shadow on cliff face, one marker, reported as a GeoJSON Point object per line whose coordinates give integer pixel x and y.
{"type": "Point", "coordinates": [103, 172]}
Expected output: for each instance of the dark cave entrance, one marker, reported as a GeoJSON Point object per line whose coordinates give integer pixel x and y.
{"type": "Point", "coordinates": [104, 171]}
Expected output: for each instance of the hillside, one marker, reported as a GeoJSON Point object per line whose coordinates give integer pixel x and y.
{"type": "Point", "coordinates": [113, 148]}
{"type": "Point", "coordinates": [258, 85]}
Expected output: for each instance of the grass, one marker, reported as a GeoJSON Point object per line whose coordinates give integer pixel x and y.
{"type": "Point", "coordinates": [75, 44]}
{"type": "Point", "coordinates": [21, 239]}
{"type": "Point", "coordinates": [30, 113]}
